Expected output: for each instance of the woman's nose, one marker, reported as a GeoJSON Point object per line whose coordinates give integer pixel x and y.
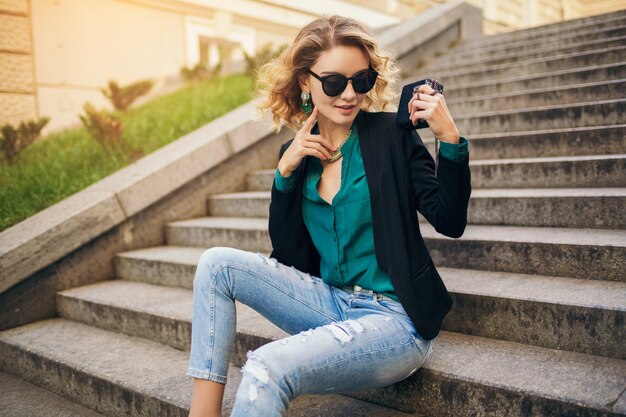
{"type": "Point", "coordinates": [349, 91]}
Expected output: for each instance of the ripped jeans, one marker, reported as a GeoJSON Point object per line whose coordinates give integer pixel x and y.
{"type": "Point", "coordinates": [340, 341]}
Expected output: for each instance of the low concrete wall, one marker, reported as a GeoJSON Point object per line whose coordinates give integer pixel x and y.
{"type": "Point", "coordinates": [417, 41]}
{"type": "Point", "coordinates": [73, 242]}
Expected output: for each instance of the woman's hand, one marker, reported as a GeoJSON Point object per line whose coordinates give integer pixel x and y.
{"type": "Point", "coordinates": [434, 110]}
{"type": "Point", "coordinates": [304, 144]}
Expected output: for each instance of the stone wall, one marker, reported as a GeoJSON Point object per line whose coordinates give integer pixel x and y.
{"type": "Point", "coordinates": [17, 87]}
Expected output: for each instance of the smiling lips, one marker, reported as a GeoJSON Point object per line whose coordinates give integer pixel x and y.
{"type": "Point", "coordinates": [346, 109]}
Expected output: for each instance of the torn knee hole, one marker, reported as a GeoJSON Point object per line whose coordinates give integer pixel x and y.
{"type": "Point", "coordinates": [267, 260]}
{"type": "Point", "coordinates": [305, 276]}
{"type": "Point", "coordinates": [253, 392]}
{"type": "Point", "coordinates": [255, 367]}
{"type": "Point", "coordinates": [344, 331]}
{"type": "Point", "coordinates": [305, 333]}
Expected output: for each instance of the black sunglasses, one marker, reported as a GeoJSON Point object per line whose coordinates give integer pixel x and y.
{"type": "Point", "coordinates": [334, 84]}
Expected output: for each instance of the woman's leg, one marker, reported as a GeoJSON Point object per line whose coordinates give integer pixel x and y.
{"type": "Point", "coordinates": [206, 400]}
{"type": "Point", "coordinates": [289, 298]}
{"type": "Point", "coordinates": [375, 346]}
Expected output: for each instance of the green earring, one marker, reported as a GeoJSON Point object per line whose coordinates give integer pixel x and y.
{"type": "Point", "coordinates": [306, 105]}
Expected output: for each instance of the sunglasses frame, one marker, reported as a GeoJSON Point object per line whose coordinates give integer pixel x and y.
{"type": "Point", "coordinates": [370, 71]}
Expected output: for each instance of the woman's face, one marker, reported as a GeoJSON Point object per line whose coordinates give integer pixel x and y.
{"type": "Point", "coordinates": [346, 60]}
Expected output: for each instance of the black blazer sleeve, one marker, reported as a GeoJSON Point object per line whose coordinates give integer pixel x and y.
{"type": "Point", "coordinates": [441, 199]}
{"type": "Point", "coordinates": [281, 204]}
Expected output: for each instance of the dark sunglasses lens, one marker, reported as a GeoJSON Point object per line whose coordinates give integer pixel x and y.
{"type": "Point", "coordinates": [362, 82]}
{"type": "Point", "coordinates": [333, 85]}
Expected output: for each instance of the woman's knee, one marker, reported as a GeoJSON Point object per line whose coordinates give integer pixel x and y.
{"type": "Point", "coordinates": [210, 260]}
{"type": "Point", "coordinates": [262, 373]}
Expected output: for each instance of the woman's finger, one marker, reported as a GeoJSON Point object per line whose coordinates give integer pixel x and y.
{"type": "Point", "coordinates": [310, 121]}
{"type": "Point", "coordinates": [317, 146]}
{"type": "Point", "coordinates": [417, 105]}
{"type": "Point", "coordinates": [419, 114]}
{"type": "Point", "coordinates": [325, 142]}
{"type": "Point", "coordinates": [426, 98]}
{"type": "Point", "coordinates": [425, 89]}
{"type": "Point", "coordinates": [427, 93]}
{"type": "Point", "coordinates": [315, 152]}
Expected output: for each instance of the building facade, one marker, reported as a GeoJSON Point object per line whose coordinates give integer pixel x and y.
{"type": "Point", "coordinates": [55, 55]}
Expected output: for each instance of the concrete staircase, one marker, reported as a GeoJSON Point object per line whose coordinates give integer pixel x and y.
{"type": "Point", "coordinates": [538, 279]}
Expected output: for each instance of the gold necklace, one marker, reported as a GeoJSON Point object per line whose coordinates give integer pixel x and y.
{"type": "Point", "coordinates": [337, 154]}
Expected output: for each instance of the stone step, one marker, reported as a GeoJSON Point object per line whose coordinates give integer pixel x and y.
{"type": "Point", "coordinates": [172, 266]}
{"type": "Point", "coordinates": [242, 204]}
{"type": "Point", "coordinates": [560, 62]}
{"type": "Point", "coordinates": [554, 312]}
{"type": "Point", "coordinates": [593, 254]}
{"type": "Point", "coordinates": [601, 208]}
{"type": "Point", "coordinates": [549, 172]}
{"type": "Point", "coordinates": [524, 46]}
{"type": "Point", "coordinates": [590, 171]}
{"type": "Point", "coordinates": [577, 141]}
{"type": "Point", "coordinates": [156, 312]}
{"type": "Point", "coordinates": [464, 375]}
{"type": "Point", "coordinates": [576, 315]}
{"type": "Point", "coordinates": [248, 233]}
{"type": "Point", "coordinates": [538, 97]}
{"type": "Point", "coordinates": [568, 27]}
{"type": "Point", "coordinates": [555, 116]}
{"type": "Point", "coordinates": [260, 179]}
{"type": "Point", "coordinates": [132, 376]}
{"type": "Point", "coordinates": [549, 207]}
{"type": "Point", "coordinates": [22, 399]}
{"type": "Point", "coordinates": [570, 76]}
{"type": "Point", "coordinates": [513, 55]}
{"type": "Point", "coordinates": [578, 253]}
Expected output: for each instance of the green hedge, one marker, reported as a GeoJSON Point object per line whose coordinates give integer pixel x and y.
{"type": "Point", "coordinates": [63, 163]}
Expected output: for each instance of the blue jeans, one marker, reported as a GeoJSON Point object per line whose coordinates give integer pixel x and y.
{"type": "Point", "coordinates": [341, 340]}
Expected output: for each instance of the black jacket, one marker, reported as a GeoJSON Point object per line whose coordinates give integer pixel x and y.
{"type": "Point", "coordinates": [400, 173]}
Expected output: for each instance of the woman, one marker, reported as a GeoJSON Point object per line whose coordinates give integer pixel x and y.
{"type": "Point", "coordinates": [349, 277]}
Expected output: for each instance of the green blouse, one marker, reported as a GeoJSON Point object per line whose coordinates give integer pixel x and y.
{"type": "Point", "coordinates": [342, 232]}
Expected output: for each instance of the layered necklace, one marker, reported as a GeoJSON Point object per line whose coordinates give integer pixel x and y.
{"type": "Point", "coordinates": [337, 154]}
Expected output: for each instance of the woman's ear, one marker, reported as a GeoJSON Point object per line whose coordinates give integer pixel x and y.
{"type": "Point", "coordinates": [303, 83]}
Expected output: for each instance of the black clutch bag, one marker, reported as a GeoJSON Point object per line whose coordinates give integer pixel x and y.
{"type": "Point", "coordinates": [402, 118]}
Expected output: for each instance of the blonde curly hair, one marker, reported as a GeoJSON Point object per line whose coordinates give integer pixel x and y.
{"type": "Point", "coordinates": [277, 80]}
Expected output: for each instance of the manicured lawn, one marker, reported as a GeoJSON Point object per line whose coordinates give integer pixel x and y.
{"type": "Point", "coordinates": [66, 162]}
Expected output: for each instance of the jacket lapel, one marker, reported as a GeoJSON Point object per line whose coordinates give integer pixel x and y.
{"type": "Point", "coordinates": [369, 151]}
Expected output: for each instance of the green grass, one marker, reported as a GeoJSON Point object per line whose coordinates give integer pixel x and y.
{"type": "Point", "coordinates": [66, 162]}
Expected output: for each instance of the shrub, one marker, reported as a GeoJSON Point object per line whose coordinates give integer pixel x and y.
{"type": "Point", "coordinates": [263, 55]}
{"type": "Point", "coordinates": [200, 72]}
{"type": "Point", "coordinates": [13, 141]}
{"type": "Point", "coordinates": [105, 127]}
{"type": "Point", "coordinates": [123, 97]}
